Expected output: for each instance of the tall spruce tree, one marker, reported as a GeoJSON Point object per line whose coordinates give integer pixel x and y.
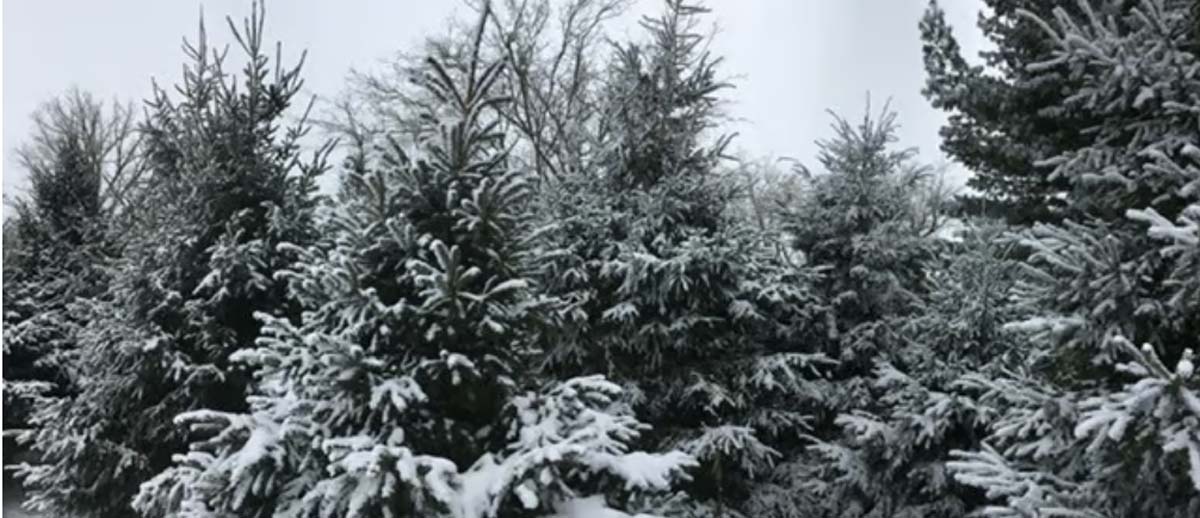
{"type": "Point", "coordinates": [862, 224]}
{"type": "Point", "coordinates": [668, 293]}
{"type": "Point", "coordinates": [225, 185]}
{"type": "Point", "coordinates": [80, 157]}
{"type": "Point", "coordinates": [1094, 424]}
{"type": "Point", "coordinates": [404, 388]}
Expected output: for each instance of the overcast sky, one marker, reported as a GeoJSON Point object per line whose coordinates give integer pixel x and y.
{"type": "Point", "coordinates": [792, 59]}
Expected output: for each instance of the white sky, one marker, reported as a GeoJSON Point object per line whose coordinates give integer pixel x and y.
{"type": "Point", "coordinates": [792, 59]}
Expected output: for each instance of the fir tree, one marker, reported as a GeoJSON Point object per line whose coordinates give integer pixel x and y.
{"type": "Point", "coordinates": [224, 185]}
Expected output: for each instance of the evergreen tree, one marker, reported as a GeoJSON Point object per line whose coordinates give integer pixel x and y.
{"type": "Point", "coordinates": [544, 289]}
{"type": "Point", "coordinates": [861, 225]}
{"type": "Point", "coordinates": [404, 388]}
{"type": "Point", "coordinates": [893, 459]}
{"type": "Point", "coordinates": [79, 159]}
{"type": "Point", "coordinates": [860, 222]}
{"type": "Point", "coordinates": [224, 185]}
{"type": "Point", "coordinates": [1092, 424]}
{"type": "Point", "coordinates": [667, 292]}
{"type": "Point", "coordinates": [1003, 117]}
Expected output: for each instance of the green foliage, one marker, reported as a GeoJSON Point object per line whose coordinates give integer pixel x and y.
{"type": "Point", "coordinates": [224, 184]}
{"type": "Point", "coordinates": [545, 291]}
{"type": "Point", "coordinates": [908, 314]}
{"type": "Point", "coordinates": [404, 386]}
{"type": "Point", "coordinates": [1003, 117]}
{"type": "Point", "coordinates": [667, 291]}
{"type": "Point", "coordinates": [858, 221]}
{"type": "Point", "coordinates": [892, 458]}
{"type": "Point", "coordinates": [1099, 426]}
{"type": "Point", "coordinates": [58, 243]}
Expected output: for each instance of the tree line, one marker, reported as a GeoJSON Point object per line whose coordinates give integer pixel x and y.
{"type": "Point", "coordinates": [543, 287]}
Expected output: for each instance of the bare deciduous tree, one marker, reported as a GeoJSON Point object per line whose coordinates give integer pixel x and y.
{"type": "Point", "coordinates": [551, 52]}
{"type": "Point", "coordinates": [85, 151]}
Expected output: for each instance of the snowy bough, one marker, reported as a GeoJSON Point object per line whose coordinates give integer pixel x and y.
{"type": "Point", "coordinates": [405, 386]}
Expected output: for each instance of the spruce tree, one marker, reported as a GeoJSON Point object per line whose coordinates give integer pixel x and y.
{"type": "Point", "coordinates": [1102, 418]}
{"type": "Point", "coordinates": [860, 224]}
{"type": "Point", "coordinates": [405, 387]}
{"type": "Point", "coordinates": [224, 185]}
{"type": "Point", "coordinates": [1003, 117]}
{"type": "Point", "coordinates": [667, 292]}
{"type": "Point", "coordinates": [893, 459]}
{"type": "Point", "coordinates": [80, 157]}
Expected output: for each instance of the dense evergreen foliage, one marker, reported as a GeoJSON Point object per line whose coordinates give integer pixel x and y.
{"type": "Point", "coordinates": [668, 292]}
{"type": "Point", "coordinates": [543, 287]}
{"type": "Point", "coordinates": [80, 162]}
{"type": "Point", "coordinates": [223, 184]}
{"type": "Point", "coordinates": [1117, 421]}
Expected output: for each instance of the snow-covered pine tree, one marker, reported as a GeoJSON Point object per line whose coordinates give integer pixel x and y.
{"type": "Point", "coordinates": [1094, 425]}
{"type": "Point", "coordinates": [893, 460]}
{"type": "Point", "coordinates": [78, 159]}
{"type": "Point", "coordinates": [861, 224]}
{"type": "Point", "coordinates": [404, 388]}
{"type": "Point", "coordinates": [224, 184]}
{"type": "Point", "coordinates": [667, 292]}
